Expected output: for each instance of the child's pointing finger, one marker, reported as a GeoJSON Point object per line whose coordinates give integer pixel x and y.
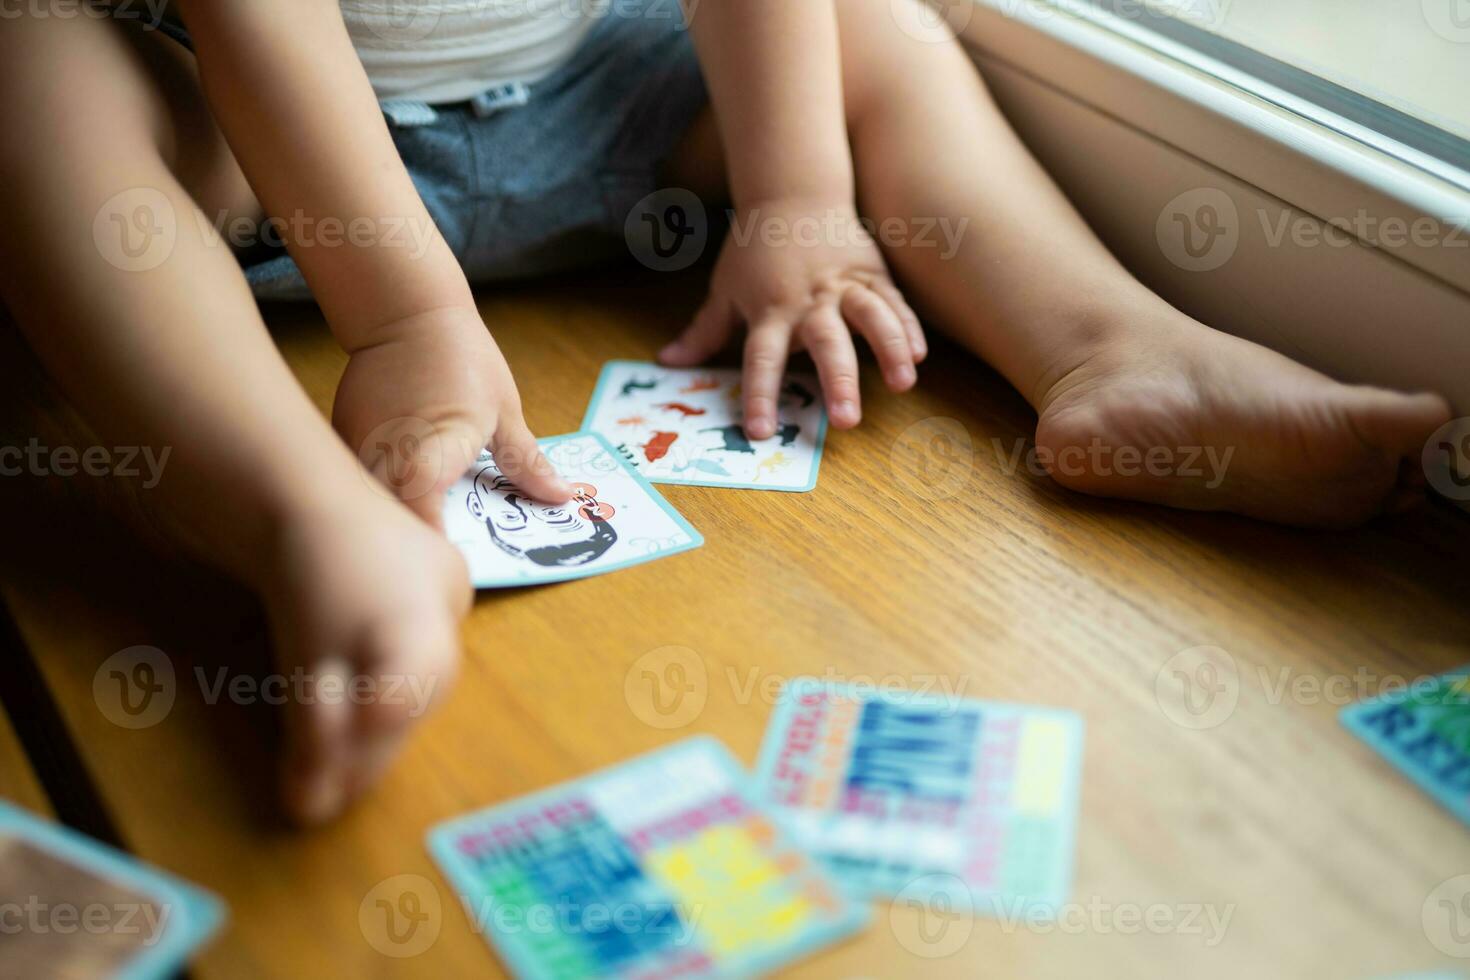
{"type": "Point", "coordinates": [521, 460]}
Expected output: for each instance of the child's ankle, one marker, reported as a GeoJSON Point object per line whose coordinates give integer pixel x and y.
{"type": "Point", "coordinates": [1094, 332]}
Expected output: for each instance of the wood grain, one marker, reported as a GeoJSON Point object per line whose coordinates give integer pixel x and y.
{"type": "Point", "coordinates": [1006, 588]}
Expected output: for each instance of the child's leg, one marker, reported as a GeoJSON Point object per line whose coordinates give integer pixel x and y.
{"type": "Point", "coordinates": [1105, 362]}
{"type": "Point", "coordinates": [175, 356]}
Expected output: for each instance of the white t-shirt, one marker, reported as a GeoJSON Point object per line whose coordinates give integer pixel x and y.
{"type": "Point", "coordinates": [448, 50]}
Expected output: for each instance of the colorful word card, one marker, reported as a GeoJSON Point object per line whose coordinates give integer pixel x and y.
{"type": "Point", "coordinates": [71, 906]}
{"type": "Point", "coordinates": [1424, 730]}
{"type": "Point", "coordinates": [683, 425]}
{"type": "Point", "coordinates": [906, 793]}
{"type": "Point", "coordinates": [662, 866]}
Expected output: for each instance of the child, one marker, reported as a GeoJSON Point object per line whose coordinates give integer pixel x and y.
{"type": "Point", "coordinates": [520, 125]}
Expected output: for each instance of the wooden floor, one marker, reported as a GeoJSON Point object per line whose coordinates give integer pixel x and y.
{"type": "Point", "coordinates": [914, 559]}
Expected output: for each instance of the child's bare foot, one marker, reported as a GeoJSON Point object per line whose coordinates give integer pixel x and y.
{"type": "Point", "coordinates": [364, 601]}
{"type": "Point", "coordinates": [1176, 413]}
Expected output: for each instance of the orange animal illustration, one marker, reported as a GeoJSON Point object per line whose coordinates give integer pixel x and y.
{"type": "Point", "coordinates": [657, 447]}
{"type": "Point", "coordinates": [705, 383]}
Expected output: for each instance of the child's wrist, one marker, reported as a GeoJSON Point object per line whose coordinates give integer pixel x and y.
{"type": "Point", "coordinates": [798, 202]}
{"type": "Point", "coordinates": [457, 317]}
{"type": "Point", "coordinates": [832, 185]}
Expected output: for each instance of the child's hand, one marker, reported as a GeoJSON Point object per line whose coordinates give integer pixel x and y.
{"type": "Point", "coordinates": [424, 397]}
{"type": "Point", "coordinates": [802, 274]}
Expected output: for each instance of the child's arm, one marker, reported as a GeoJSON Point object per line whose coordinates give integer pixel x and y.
{"type": "Point", "coordinates": [287, 89]}
{"type": "Point", "coordinates": [289, 93]}
{"type": "Point", "coordinates": [775, 80]}
{"type": "Point", "coordinates": [776, 83]}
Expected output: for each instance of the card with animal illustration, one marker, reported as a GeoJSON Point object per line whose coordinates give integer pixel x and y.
{"type": "Point", "coordinates": [615, 519]}
{"type": "Point", "coordinates": [682, 425]}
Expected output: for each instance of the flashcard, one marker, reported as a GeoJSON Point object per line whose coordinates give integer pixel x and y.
{"type": "Point", "coordinates": [680, 425]}
{"type": "Point", "coordinates": [1424, 730]}
{"type": "Point", "coordinates": [615, 519]}
{"type": "Point", "coordinates": [903, 793]}
{"type": "Point", "coordinates": [662, 866]}
{"type": "Point", "coordinates": [77, 908]}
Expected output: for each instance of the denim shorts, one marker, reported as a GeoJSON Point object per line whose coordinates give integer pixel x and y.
{"type": "Point", "coordinates": [530, 179]}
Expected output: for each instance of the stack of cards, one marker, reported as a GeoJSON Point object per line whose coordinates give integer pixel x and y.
{"type": "Point", "coordinates": [674, 864]}
{"type": "Point", "coordinates": [1424, 730]}
{"type": "Point", "coordinates": [75, 908]}
{"type": "Point", "coordinates": [895, 790]}
{"type": "Point", "coordinates": [663, 866]}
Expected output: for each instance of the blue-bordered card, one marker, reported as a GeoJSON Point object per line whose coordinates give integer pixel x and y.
{"type": "Point", "coordinates": [665, 865]}
{"type": "Point", "coordinates": [680, 425]}
{"type": "Point", "coordinates": [929, 797]}
{"type": "Point", "coordinates": [75, 907]}
{"type": "Point", "coordinates": [616, 519]}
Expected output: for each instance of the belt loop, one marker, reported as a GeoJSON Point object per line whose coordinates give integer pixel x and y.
{"type": "Point", "coordinates": [405, 113]}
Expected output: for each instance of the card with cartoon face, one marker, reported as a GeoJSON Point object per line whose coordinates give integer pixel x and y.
{"type": "Point", "coordinates": [679, 425]}
{"type": "Point", "coordinates": [614, 520]}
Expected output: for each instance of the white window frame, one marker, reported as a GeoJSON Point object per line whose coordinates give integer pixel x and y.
{"type": "Point", "coordinates": [1275, 149]}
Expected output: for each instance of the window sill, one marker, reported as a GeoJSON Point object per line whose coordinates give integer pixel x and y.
{"type": "Point", "coordinates": [1353, 252]}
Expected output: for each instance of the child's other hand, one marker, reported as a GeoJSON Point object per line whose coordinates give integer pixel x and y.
{"type": "Point", "coordinates": [802, 274]}
{"type": "Point", "coordinates": [421, 400]}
